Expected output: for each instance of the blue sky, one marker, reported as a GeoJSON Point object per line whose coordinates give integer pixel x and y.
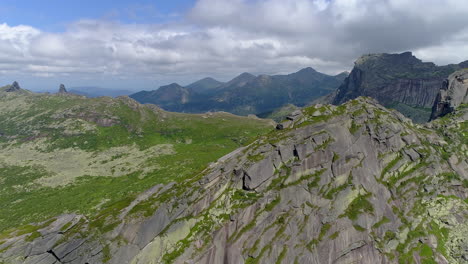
{"type": "Point", "coordinates": [140, 45]}
{"type": "Point", "coordinates": [54, 15]}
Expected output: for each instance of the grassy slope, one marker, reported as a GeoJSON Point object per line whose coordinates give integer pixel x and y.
{"type": "Point", "coordinates": [57, 124]}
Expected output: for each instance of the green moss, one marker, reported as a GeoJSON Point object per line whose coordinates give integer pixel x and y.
{"type": "Point", "coordinates": [334, 235]}
{"type": "Point", "coordinates": [426, 251]}
{"type": "Point", "coordinates": [358, 206]}
{"type": "Point", "coordinates": [273, 203]}
{"type": "Point", "coordinates": [324, 230]}
{"type": "Point", "coordinates": [243, 198]}
{"type": "Point", "coordinates": [282, 255]}
{"type": "Point", "coordinates": [354, 127]}
{"type": "Point", "coordinates": [33, 236]}
{"type": "Point", "coordinates": [243, 230]}
{"type": "Point", "coordinates": [382, 221]}
{"type": "Point", "coordinates": [335, 157]}
{"type": "Point", "coordinates": [106, 254]}
{"type": "Point", "coordinates": [331, 193]}
{"type": "Point", "coordinates": [442, 235]}
{"type": "Point", "coordinates": [315, 175]}
{"type": "Point", "coordinates": [255, 158]}
{"type": "Point", "coordinates": [256, 260]}
{"type": "Point", "coordinates": [390, 165]}
{"type": "Point", "coordinates": [359, 228]}
{"type": "Point", "coordinates": [325, 144]}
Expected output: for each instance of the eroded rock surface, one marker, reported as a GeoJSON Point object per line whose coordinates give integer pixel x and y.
{"type": "Point", "coordinates": [354, 183]}
{"type": "Point", "coordinates": [453, 93]}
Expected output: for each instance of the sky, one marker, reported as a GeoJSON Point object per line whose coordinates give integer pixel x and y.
{"type": "Point", "coordinates": [140, 45]}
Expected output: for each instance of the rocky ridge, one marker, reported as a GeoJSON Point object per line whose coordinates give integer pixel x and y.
{"type": "Point", "coordinates": [453, 93]}
{"type": "Point", "coordinates": [354, 183]}
{"type": "Point", "coordinates": [13, 87]}
{"type": "Point", "coordinates": [399, 81]}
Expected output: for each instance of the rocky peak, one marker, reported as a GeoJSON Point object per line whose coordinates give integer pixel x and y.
{"type": "Point", "coordinates": [241, 80]}
{"type": "Point", "coordinates": [401, 58]}
{"type": "Point", "coordinates": [308, 70]}
{"type": "Point", "coordinates": [62, 89]}
{"type": "Point", "coordinates": [13, 87]}
{"type": "Point", "coordinates": [453, 93]}
{"type": "Point", "coordinates": [400, 81]}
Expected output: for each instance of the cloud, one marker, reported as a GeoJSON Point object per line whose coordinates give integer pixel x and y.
{"type": "Point", "coordinates": [221, 38]}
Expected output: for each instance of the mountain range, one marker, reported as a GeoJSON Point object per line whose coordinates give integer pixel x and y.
{"type": "Point", "coordinates": [110, 180]}
{"type": "Point", "coordinates": [245, 94]}
{"type": "Point", "coordinates": [399, 81]}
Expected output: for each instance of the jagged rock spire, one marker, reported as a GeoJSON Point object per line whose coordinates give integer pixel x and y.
{"type": "Point", "coordinates": [14, 87]}
{"type": "Point", "coordinates": [62, 89]}
{"type": "Point", "coordinates": [453, 93]}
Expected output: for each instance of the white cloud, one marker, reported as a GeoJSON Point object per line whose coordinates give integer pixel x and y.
{"type": "Point", "coordinates": [224, 37]}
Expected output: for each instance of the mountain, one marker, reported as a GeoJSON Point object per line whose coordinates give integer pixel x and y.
{"type": "Point", "coordinates": [250, 94]}
{"type": "Point", "coordinates": [205, 85]}
{"type": "Point", "coordinates": [93, 91]}
{"type": "Point", "coordinates": [454, 92]}
{"type": "Point", "coordinates": [399, 81]}
{"type": "Point", "coordinates": [355, 183]}
{"type": "Point", "coordinates": [173, 97]}
{"type": "Point", "coordinates": [71, 155]}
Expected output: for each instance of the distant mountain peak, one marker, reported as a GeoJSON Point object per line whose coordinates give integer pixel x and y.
{"type": "Point", "coordinates": [307, 70]}
{"type": "Point", "coordinates": [209, 79]}
{"type": "Point", "coordinates": [13, 87]}
{"type": "Point", "coordinates": [246, 74]}
{"type": "Point", "coordinates": [241, 79]}
{"type": "Point", "coordinates": [171, 86]}
{"type": "Point", "coordinates": [205, 84]}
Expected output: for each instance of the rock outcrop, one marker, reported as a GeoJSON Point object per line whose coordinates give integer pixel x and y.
{"type": "Point", "coordinates": [453, 93]}
{"type": "Point", "coordinates": [400, 81]}
{"type": "Point", "coordinates": [354, 183]}
{"type": "Point", "coordinates": [13, 87]}
{"type": "Point", "coordinates": [62, 89]}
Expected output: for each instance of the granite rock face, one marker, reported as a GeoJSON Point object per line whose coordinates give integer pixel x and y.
{"type": "Point", "coordinates": [354, 183]}
{"type": "Point", "coordinates": [400, 81]}
{"type": "Point", "coordinates": [453, 93]}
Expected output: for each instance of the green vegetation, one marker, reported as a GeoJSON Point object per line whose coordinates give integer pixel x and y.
{"type": "Point", "coordinates": [358, 206]}
{"type": "Point", "coordinates": [53, 123]}
{"type": "Point", "coordinates": [390, 165]}
{"type": "Point", "coordinates": [383, 221]}
{"type": "Point", "coordinates": [359, 228]}
{"type": "Point", "coordinates": [354, 127]}
{"type": "Point", "coordinates": [334, 235]}
{"type": "Point", "coordinates": [282, 255]}
{"type": "Point", "coordinates": [273, 203]}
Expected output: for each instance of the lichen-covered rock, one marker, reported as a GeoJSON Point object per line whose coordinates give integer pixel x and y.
{"type": "Point", "coordinates": [453, 93]}
{"type": "Point", "coordinates": [356, 184]}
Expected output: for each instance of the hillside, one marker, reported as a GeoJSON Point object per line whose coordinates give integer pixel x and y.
{"type": "Point", "coordinates": [399, 81]}
{"type": "Point", "coordinates": [244, 94]}
{"type": "Point", "coordinates": [354, 183]}
{"type": "Point", "coordinates": [66, 153]}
